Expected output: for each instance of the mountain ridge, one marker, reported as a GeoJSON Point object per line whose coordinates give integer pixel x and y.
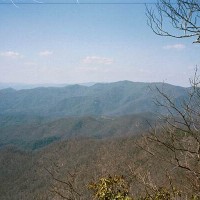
{"type": "Point", "coordinates": [118, 98]}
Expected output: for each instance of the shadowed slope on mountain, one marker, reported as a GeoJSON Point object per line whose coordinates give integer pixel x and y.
{"type": "Point", "coordinates": [39, 134]}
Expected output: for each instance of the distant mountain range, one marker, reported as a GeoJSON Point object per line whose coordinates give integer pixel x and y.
{"type": "Point", "coordinates": [34, 118]}
{"type": "Point", "coordinates": [21, 86]}
{"type": "Point", "coordinates": [90, 129]}
{"type": "Point", "coordinates": [110, 99]}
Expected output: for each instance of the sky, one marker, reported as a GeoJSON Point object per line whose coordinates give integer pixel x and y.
{"type": "Point", "coordinates": [77, 43]}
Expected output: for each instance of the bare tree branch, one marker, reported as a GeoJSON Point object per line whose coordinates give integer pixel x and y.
{"type": "Point", "coordinates": [182, 15]}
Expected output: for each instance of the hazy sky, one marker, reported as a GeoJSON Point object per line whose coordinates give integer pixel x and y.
{"type": "Point", "coordinates": [75, 43]}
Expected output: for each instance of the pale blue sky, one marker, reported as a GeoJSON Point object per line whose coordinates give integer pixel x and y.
{"type": "Point", "coordinates": [89, 43]}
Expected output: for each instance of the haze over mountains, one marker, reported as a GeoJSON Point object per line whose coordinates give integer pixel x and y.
{"type": "Point", "coordinates": [88, 128]}
{"type": "Point", "coordinates": [34, 118]}
{"type": "Point", "coordinates": [110, 99]}
{"type": "Point", "coordinates": [21, 86]}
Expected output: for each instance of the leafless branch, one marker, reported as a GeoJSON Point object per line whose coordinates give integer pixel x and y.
{"type": "Point", "coordinates": [182, 15]}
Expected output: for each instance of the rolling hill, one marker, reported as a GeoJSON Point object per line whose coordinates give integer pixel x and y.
{"type": "Point", "coordinates": [37, 134]}
{"type": "Point", "coordinates": [34, 118]}
{"type": "Point", "coordinates": [88, 129]}
{"type": "Point", "coordinates": [109, 99]}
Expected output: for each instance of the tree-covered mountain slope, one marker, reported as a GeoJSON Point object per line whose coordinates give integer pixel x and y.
{"type": "Point", "coordinates": [119, 98]}
{"type": "Point", "coordinates": [37, 134]}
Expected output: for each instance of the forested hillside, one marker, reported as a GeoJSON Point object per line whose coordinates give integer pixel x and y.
{"type": "Point", "coordinates": [120, 98]}
{"type": "Point", "coordinates": [24, 176]}
{"type": "Point", "coordinates": [35, 133]}
{"type": "Point", "coordinates": [90, 132]}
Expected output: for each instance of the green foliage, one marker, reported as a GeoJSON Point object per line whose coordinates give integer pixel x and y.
{"type": "Point", "coordinates": [116, 188]}
{"type": "Point", "coordinates": [163, 194]}
{"type": "Point", "coordinates": [110, 188]}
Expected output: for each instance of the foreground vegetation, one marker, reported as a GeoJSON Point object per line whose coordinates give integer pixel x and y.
{"type": "Point", "coordinates": [69, 167]}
